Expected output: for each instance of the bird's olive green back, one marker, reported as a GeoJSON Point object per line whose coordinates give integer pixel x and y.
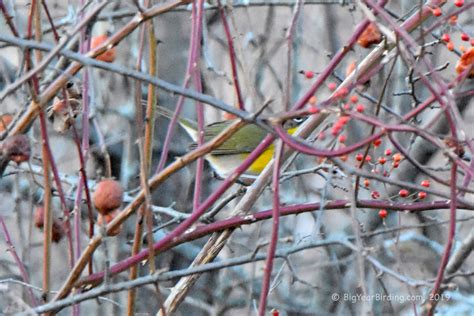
{"type": "Point", "coordinates": [243, 141]}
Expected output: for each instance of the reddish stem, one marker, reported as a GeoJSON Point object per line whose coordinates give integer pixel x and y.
{"type": "Point", "coordinates": [267, 274]}
{"type": "Point", "coordinates": [83, 183]}
{"type": "Point", "coordinates": [232, 56]}
{"type": "Point", "coordinates": [45, 139]}
{"type": "Point", "coordinates": [19, 263]}
{"type": "Point", "coordinates": [360, 28]}
{"type": "Point", "coordinates": [433, 299]}
{"type": "Point", "coordinates": [84, 47]}
{"type": "Point", "coordinates": [181, 228]}
{"type": "Point", "coordinates": [8, 19]}
{"type": "Point", "coordinates": [196, 73]}
{"type": "Point", "coordinates": [237, 221]}
{"type": "Point", "coordinates": [179, 105]}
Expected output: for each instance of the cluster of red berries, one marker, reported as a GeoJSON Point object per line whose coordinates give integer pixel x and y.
{"type": "Point", "coordinates": [339, 125]}
{"type": "Point", "coordinates": [446, 38]}
{"type": "Point", "coordinates": [396, 158]}
{"type": "Point", "coordinates": [437, 10]}
{"type": "Point", "coordinates": [353, 99]}
{"type": "Point", "coordinates": [405, 193]}
{"type": "Point", "coordinates": [421, 195]}
{"type": "Point", "coordinates": [453, 20]}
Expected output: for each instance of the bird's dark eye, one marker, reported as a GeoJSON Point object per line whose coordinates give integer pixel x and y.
{"type": "Point", "coordinates": [298, 119]}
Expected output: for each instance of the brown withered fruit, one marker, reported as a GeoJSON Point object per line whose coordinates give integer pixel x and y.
{"type": "Point", "coordinates": [57, 231]}
{"type": "Point", "coordinates": [105, 219]}
{"type": "Point", "coordinates": [466, 61]}
{"type": "Point", "coordinates": [16, 148]}
{"type": "Point", "coordinates": [370, 36]}
{"type": "Point", "coordinates": [108, 196]}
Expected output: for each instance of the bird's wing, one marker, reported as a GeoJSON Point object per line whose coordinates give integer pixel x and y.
{"type": "Point", "coordinates": [243, 141]}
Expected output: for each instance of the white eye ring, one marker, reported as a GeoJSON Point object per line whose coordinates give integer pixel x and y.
{"type": "Point", "coordinates": [298, 119]}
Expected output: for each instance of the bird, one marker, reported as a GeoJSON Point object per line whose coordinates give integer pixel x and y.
{"type": "Point", "coordinates": [230, 154]}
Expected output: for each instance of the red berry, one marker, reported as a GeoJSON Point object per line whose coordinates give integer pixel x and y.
{"type": "Point", "coordinates": [322, 135]}
{"type": "Point", "coordinates": [366, 183]}
{"type": "Point", "coordinates": [360, 108]}
{"type": "Point", "coordinates": [354, 98]}
{"type": "Point", "coordinates": [445, 37]}
{"type": "Point", "coordinates": [368, 158]}
{"type": "Point", "coordinates": [388, 152]}
{"type": "Point", "coordinates": [335, 130]}
{"type": "Point", "coordinates": [465, 37]}
{"type": "Point", "coordinates": [450, 46]}
{"type": "Point", "coordinates": [422, 195]}
{"type": "Point", "coordinates": [346, 107]}
{"type": "Point", "coordinates": [342, 138]}
{"type": "Point", "coordinates": [397, 157]}
{"type": "Point", "coordinates": [437, 11]}
{"type": "Point", "coordinates": [338, 125]}
{"type": "Point", "coordinates": [313, 100]}
{"type": "Point", "coordinates": [377, 142]}
{"type": "Point", "coordinates": [343, 120]}
{"type": "Point", "coordinates": [382, 160]}
{"type": "Point", "coordinates": [472, 41]}
{"type": "Point", "coordinates": [459, 3]}
{"type": "Point", "coordinates": [395, 164]}
{"type": "Point", "coordinates": [383, 213]}
{"type": "Point", "coordinates": [375, 195]}
{"type": "Point", "coordinates": [425, 183]}
{"type": "Point", "coordinates": [332, 86]}
{"type": "Point", "coordinates": [313, 110]}
{"type": "Point", "coordinates": [341, 93]}
{"type": "Point", "coordinates": [403, 193]}
{"type": "Point", "coordinates": [359, 157]}
{"type": "Point", "coordinates": [309, 74]}
{"type": "Point", "coordinates": [453, 20]}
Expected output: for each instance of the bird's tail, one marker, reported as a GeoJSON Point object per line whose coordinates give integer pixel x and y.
{"type": "Point", "coordinates": [189, 126]}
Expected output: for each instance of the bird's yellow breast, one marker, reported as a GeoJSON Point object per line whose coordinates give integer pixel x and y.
{"type": "Point", "coordinates": [261, 162]}
{"type": "Point", "coordinates": [225, 164]}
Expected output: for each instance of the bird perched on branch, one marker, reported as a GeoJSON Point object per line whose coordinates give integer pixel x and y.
{"type": "Point", "coordinates": [236, 149]}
